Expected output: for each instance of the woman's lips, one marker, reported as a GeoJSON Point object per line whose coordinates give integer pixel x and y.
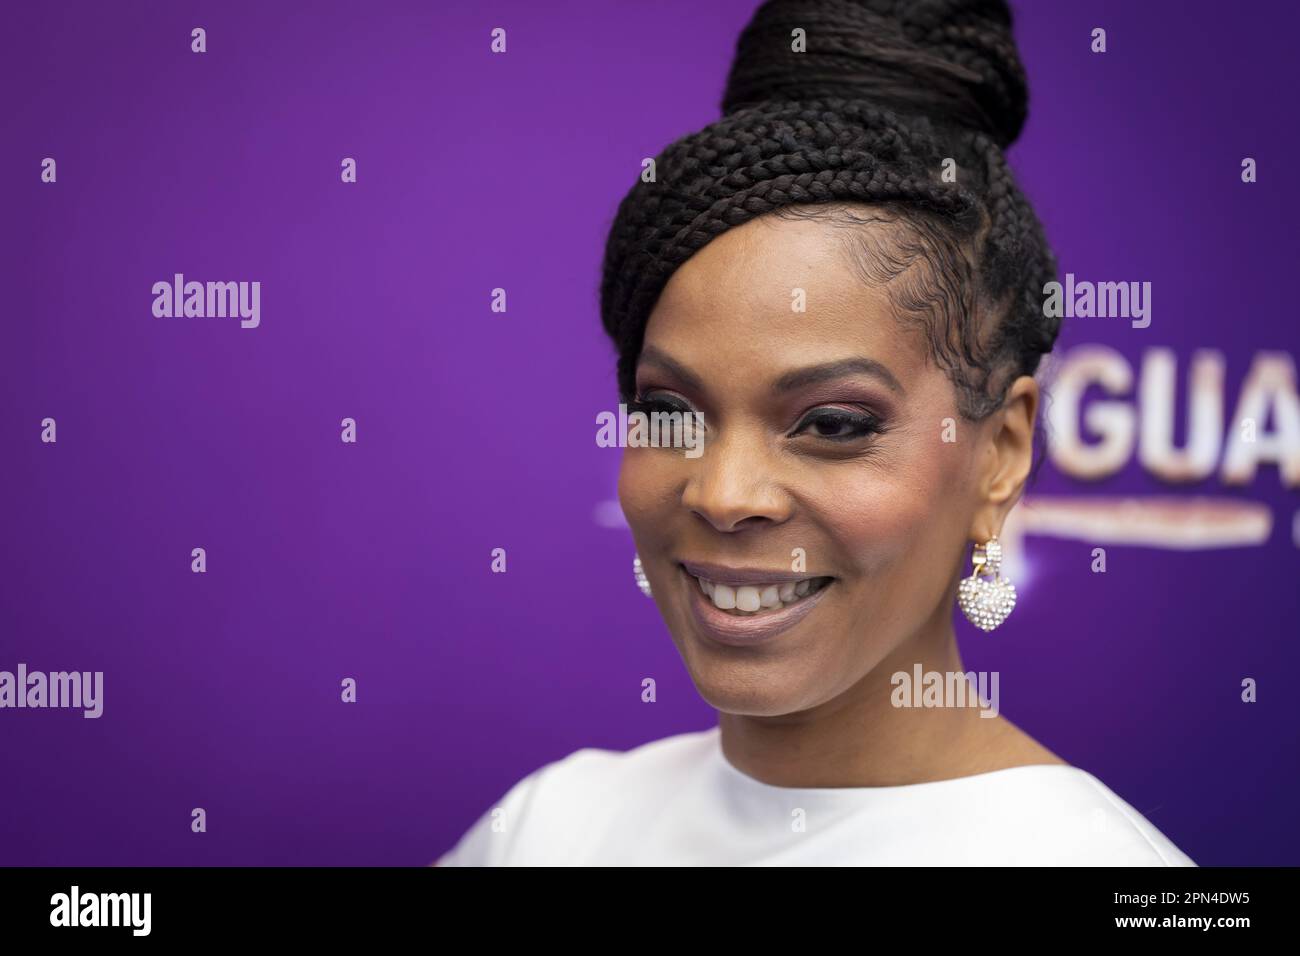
{"type": "Point", "coordinates": [781, 605]}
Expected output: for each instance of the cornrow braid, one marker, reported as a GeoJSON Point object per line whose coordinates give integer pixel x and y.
{"type": "Point", "coordinates": [886, 91]}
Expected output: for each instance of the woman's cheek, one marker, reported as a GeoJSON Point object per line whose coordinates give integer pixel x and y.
{"type": "Point", "coordinates": [888, 526]}
{"type": "Point", "coordinates": [913, 518]}
{"type": "Point", "coordinates": [642, 490]}
{"type": "Point", "coordinates": [881, 531]}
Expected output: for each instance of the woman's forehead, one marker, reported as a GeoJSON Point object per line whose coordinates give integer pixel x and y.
{"type": "Point", "coordinates": [778, 291]}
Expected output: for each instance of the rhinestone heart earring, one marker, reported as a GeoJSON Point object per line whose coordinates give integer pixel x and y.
{"type": "Point", "coordinates": [641, 580]}
{"type": "Point", "coordinates": [986, 602]}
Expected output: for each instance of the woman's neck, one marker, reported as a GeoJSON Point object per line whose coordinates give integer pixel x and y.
{"type": "Point", "coordinates": [885, 730]}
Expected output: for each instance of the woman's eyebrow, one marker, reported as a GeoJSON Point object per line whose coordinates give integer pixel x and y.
{"type": "Point", "coordinates": [652, 356]}
{"type": "Point", "coordinates": [813, 374]}
{"type": "Point", "coordinates": [798, 378]}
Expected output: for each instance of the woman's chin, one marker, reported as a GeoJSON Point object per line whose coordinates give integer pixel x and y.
{"type": "Point", "coordinates": [752, 688]}
{"type": "Point", "coordinates": [738, 668]}
{"type": "Point", "coordinates": [742, 701]}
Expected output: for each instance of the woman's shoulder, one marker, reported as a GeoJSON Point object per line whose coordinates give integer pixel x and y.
{"type": "Point", "coordinates": [1072, 817]}
{"type": "Point", "coordinates": [572, 792]}
{"type": "Point", "coordinates": [1058, 813]}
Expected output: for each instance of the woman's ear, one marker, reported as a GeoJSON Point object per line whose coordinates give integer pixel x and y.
{"type": "Point", "coordinates": [1006, 458]}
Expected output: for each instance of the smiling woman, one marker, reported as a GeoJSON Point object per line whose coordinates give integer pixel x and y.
{"type": "Point", "coordinates": [857, 444]}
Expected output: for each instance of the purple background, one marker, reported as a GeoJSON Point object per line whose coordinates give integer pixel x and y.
{"type": "Point", "coordinates": [476, 430]}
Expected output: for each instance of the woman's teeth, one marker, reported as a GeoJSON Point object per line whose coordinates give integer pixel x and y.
{"type": "Point", "coordinates": [750, 599]}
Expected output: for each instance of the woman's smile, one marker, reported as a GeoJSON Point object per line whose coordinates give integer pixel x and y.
{"type": "Point", "coordinates": [745, 606]}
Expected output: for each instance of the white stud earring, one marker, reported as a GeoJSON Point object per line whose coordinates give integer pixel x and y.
{"type": "Point", "coordinates": [986, 602]}
{"type": "Point", "coordinates": [641, 580]}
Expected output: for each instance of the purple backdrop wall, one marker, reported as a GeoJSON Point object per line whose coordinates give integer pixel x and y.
{"type": "Point", "coordinates": [476, 429]}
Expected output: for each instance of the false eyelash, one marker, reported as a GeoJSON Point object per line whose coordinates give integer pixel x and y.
{"type": "Point", "coordinates": [866, 424]}
{"type": "Point", "coordinates": [647, 406]}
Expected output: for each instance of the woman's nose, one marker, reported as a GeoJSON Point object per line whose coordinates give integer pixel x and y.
{"type": "Point", "coordinates": [734, 486]}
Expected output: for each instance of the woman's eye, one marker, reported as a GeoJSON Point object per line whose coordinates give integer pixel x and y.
{"type": "Point", "coordinates": [839, 424]}
{"type": "Point", "coordinates": [648, 405]}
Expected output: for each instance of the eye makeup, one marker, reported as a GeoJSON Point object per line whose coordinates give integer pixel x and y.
{"type": "Point", "coordinates": [838, 424]}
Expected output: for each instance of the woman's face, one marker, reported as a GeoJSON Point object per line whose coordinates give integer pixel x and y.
{"type": "Point", "coordinates": [828, 433]}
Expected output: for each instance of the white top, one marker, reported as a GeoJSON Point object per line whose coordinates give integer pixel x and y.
{"type": "Point", "coordinates": [678, 802]}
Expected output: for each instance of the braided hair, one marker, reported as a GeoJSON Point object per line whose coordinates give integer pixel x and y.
{"type": "Point", "coordinates": [856, 130]}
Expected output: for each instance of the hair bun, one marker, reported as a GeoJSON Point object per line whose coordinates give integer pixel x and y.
{"type": "Point", "coordinates": [952, 61]}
